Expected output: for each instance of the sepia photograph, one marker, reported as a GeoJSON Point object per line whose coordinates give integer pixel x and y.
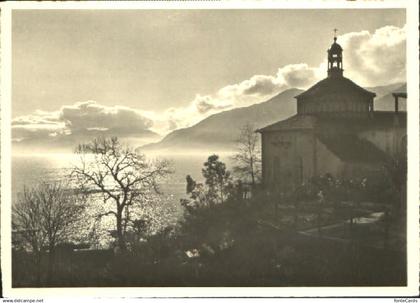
{"type": "Point", "coordinates": [208, 148]}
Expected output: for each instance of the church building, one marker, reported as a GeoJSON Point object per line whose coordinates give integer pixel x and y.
{"type": "Point", "coordinates": [336, 130]}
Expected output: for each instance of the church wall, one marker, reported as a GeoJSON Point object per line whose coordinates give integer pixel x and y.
{"type": "Point", "coordinates": [327, 162]}
{"type": "Point", "coordinates": [391, 141]}
{"type": "Point", "coordinates": [292, 157]}
{"type": "Point", "coordinates": [288, 158]}
{"type": "Point", "coordinates": [346, 106]}
{"type": "Point", "coordinates": [359, 170]}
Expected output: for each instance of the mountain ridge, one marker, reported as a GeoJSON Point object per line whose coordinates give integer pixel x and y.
{"type": "Point", "coordinates": [386, 102]}
{"type": "Point", "coordinates": [220, 130]}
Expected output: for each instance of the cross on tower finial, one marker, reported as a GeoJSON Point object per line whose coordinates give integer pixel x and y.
{"type": "Point", "coordinates": [335, 58]}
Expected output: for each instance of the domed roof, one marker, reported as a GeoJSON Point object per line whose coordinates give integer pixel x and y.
{"type": "Point", "coordinates": [335, 85]}
{"type": "Point", "coordinates": [335, 48]}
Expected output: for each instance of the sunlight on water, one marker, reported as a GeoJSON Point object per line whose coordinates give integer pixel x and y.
{"type": "Point", "coordinates": [30, 169]}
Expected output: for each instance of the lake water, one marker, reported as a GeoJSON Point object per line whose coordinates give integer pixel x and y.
{"type": "Point", "coordinates": [29, 170]}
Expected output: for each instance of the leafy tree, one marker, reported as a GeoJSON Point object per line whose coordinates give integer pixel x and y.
{"type": "Point", "coordinates": [45, 216]}
{"type": "Point", "coordinates": [197, 195]}
{"type": "Point", "coordinates": [248, 156]}
{"type": "Point", "coordinates": [123, 178]}
{"type": "Point", "coordinates": [205, 200]}
{"type": "Point", "coordinates": [191, 184]}
{"type": "Point", "coordinates": [217, 179]}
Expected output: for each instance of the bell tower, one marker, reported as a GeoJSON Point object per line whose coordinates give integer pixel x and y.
{"type": "Point", "coordinates": [335, 59]}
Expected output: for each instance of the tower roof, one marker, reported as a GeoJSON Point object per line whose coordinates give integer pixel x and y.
{"type": "Point", "coordinates": [335, 47]}
{"type": "Point", "coordinates": [335, 58]}
{"type": "Point", "coordinates": [335, 85]}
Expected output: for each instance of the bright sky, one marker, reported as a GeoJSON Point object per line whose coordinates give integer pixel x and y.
{"type": "Point", "coordinates": [129, 71]}
{"type": "Point", "coordinates": [153, 60]}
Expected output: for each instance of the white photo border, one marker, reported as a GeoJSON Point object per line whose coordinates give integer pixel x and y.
{"type": "Point", "coordinates": [412, 55]}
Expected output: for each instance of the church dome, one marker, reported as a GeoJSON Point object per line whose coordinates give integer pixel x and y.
{"type": "Point", "coordinates": [335, 86]}
{"type": "Point", "coordinates": [336, 95]}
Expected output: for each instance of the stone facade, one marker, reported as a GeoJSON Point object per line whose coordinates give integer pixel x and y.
{"type": "Point", "coordinates": [290, 157]}
{"type": "Point", "coordinates": [335, 131]}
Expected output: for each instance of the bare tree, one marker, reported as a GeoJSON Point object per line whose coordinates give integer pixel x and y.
{"type": "Point", "coordinates": [121, 176]}
{"type": "Point", "coordinates": [45, 216]}
{"type": "Point", "coordinates": [248, 156]}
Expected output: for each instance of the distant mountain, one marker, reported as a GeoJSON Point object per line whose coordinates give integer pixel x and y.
{"type": "Point", "coordinates": [386, 101]}
{"type": "Point", "coordinates": [383, 90]}
{"type": "Point", "coordinates": [219, 131]}
{"type": "Point", "coordinates": [215, 133]}
{"type": "Point", "coordinates": [67, 143]}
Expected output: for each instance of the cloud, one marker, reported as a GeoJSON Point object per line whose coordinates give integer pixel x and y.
{"type": "Point", "coordinates": [20, 133]}
{"type": "Point", "coordinates": [204, 104]}
{"type": "Point", "coordinates": [298, 75]}
{"type": "Point", "coordinates": [254, 90]}
{"type": "Point", "coordinates": [370, 59]}
{"type": "Point", "coordinates": [292, 75]}
{"type": "Point", "coordinates": [39, 119]}
{"type": "Point", "coordinates": [260, 85]}
{"type": "Point", "coordinates": [91, 115]}
{"type": "Point", "coordinates": [375, 58]}
{"type": "Point", "coordinates": [82, 118]}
